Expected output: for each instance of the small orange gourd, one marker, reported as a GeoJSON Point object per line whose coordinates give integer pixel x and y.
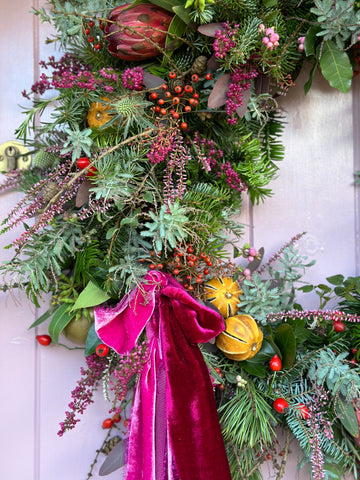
{"type": "Point", "coordinates": [98, 114]}
{"type": "Point", "coordinates": [224, 293]}
{"type": "Point", "coordinates": [242, 338]}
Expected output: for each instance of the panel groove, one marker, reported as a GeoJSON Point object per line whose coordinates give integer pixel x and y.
{"type": "Point", "coordinates": [356, 146]}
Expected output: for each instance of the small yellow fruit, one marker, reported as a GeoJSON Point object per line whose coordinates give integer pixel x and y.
{"type": "Point", "coordinates": [77, 330]}
{"type": "Point", "coordinates": [242, 338]}
{"type": "Point", "coordinates": [224, 293]}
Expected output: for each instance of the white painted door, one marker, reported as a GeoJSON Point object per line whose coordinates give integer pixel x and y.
{"type": "Point", "coordinates": [314, 192]}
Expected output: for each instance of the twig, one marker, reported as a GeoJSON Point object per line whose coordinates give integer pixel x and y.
{"type": "Point", "coordinates": [286, 453]}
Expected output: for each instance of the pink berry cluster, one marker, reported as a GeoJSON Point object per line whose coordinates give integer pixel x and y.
{"type": "Point", "coordinates": [301, 41]}
{"type": "Point", "coordinates": [270, 38]}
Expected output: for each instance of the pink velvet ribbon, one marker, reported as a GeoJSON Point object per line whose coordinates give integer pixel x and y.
{"type": "Point", "coordinates": [174, 430]}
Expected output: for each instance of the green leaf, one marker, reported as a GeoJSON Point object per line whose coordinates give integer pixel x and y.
{"type": "Point", "coordinates": [336, 279]}
{"type": "Point", "coordinates": [59, 321]}
{"type": "Point", "coordinates": [336, 67]}
{"type": "Point", "coordinates": [347, 417]}
{"type": "Point", "coordinates": [91, 296]}
{"type": "Point", "coordinates": [306, 288]}
{"type": "Point", "coordinates": [311, 40]}
{"type": "Point", "coordinates": [256, 369]}
{"type": "Point", "coordinates": [166, 4]}
{"type": "Point", "coordinates": [333, 472]}
{"type": "Point", "coordinates": [182, 13]}
{"type": "Point", "coordinates": [308, 84]}
{"type": "Point", "coordinates": [286, 341]}
{"type": "Point", "coordinates": [41, 319]}
{"type": "Point", "coordinates": [92, 341]}
{"type": "Point", "coordinates": [176, 27]}
{"type": "Point", "coordinates": [270, 3]}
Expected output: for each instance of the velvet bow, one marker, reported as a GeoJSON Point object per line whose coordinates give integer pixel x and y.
{"type": "Point", "coordinates": [174, 430]}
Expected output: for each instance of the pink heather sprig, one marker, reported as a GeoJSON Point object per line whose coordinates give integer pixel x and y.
{"type": "Point", "coordinates": [207, 154]}
{"type": "Point", "coordinates": [128, 366]}
{"type": "Point", "coordinates": [318, 425]}
{"type": "Point", "coordinates": [232, 178]}
{"type": "Point", "coordinates": [175, 174]}
{"type": "Point", "coordinates": [164, 143]}
{"type": "Point", "coordinates": [225, 39]}
{"type": "Point", "coordinates": [33, 200]}
{"type": "Point", "coordinates": [12, 180]}
{"type": "Point", "coordinates": [133, 78]}
{"type": "Point", "coordinates": [239, 82]}
{"type": "Point", "coordinates": [82, 395]}
{"type": "Point", "coordinates": [100, 205]}
{"type": "Point", "coordinates": [314, 315]}
{"type": "Point", "coordinates": [278, 254]}
{"type": "Point", "coordinates": [61, 177]}
{"type": "Point", "coordinates": [68, 73]}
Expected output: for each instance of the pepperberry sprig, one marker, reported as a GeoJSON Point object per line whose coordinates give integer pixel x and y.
{"type": "Point", "coordinates": [94, 33]}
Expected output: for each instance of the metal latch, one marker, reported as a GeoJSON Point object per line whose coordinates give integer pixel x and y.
{"type": "Point", "coordinates": [14, 156]}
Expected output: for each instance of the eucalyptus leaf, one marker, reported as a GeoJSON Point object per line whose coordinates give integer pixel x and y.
{"type": "Point", "coordinates": [59, 321]}
{"type": "Point", "coordinates": [336, 67]}
{"type": "Point", "coordinates": [92, 341]}
{"type": "Point", "coordinates": [347, 417]}
{"type": "Point", "coordinates": [41, 319]}
{"type": "Point", "coordinates": [114, 460]}
{"type": "Point", "coordinates": [91, 296]}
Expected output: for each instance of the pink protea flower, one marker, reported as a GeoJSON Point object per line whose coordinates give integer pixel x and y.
{"type": "Point", "coordinates": [134, 33]}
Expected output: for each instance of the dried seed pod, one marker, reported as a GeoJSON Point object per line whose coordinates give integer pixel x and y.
{"type": "Point", "coordinates": [50, 190]}
{"type": "Point", "coordinates": [199, 66]}
{"type": "Point", "coordinates": [110, 444]}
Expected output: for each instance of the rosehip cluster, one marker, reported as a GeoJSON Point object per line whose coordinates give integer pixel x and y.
{"type": "Point", "coordinates": [187, 267]}
{"type": "Point", "coordinates": [270, 38]}
{"type": "Point", "coordinates": [301, 41]}
{"type": "Point", "coordinates": [182, 100]}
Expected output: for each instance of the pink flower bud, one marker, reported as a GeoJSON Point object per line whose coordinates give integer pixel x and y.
{"type": "Point", "coordinates": [274, 37]}
{"type": "Point", "coordinates": [261, 28]}
{"type": "Point", "coordinates": [270, 45]}
{"type": "Point", "coordinates": [276, 44]}
{"type": "Point", "coordinates": [269, 31]}
{"type": "Point", "coordinates": [250, 258]}
{"type": "Point", "coordinates": [301, 47]}
{"type": "Point", "coordinates": [265, 40]}
{"type": "Point", "coordinates": [301, 40]}
{"type": "Point", "coordinates": [247, 273]}
{"type": "Point", "coordinates": [252, 251]}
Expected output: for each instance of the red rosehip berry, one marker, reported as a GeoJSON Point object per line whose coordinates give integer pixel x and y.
{"type": "Point", "coordinates": [184, 126]}
{"type": "Point", "coordinates": [208, 76]}
{"type": "Point", "coordinates": [107, 423]}
{"type": "Point", "coordinates": [172, 75]}
{"type": "Point", "coordinates": [102, 350]}
{"type": "Point", "coordinates": [354, 351]}
{"type": "Point", "coordinates": [275, 363]}
{"type": "Point", "coordinates": [194, 77]}
{"type": "Point", "coordinates": [44, 340]}
{"type": "Point", "coordinates": [339, 326]}
{"type": "Point", "coordinates": [83, 162]}
{"type": "Point", "coordinates": [116, 418]}
{"type": "Point", "coordinates": [303, 410]}
{"type": "Point", "coordinates": [281, 405]}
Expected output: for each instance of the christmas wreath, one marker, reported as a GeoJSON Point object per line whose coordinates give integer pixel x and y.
{"type": "Point", "coordinates": [155, 120]}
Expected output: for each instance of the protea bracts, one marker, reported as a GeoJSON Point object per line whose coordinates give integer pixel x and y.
{"type": "Point", "coordinates": [134, 33]}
